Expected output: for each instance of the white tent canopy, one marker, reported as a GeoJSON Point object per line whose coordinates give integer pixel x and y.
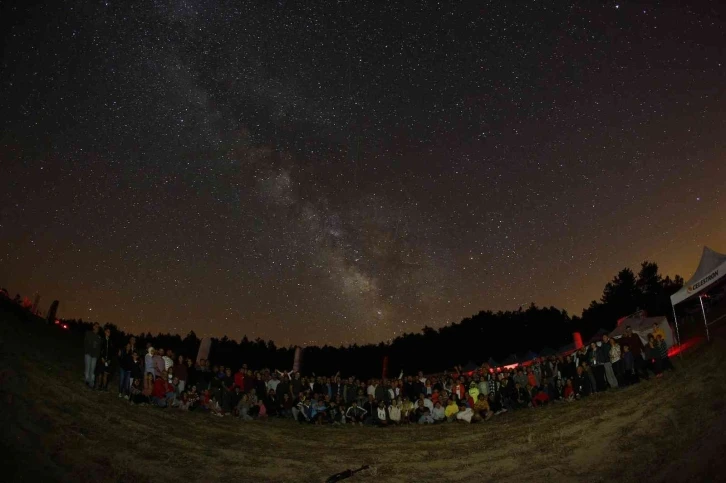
{"type": "Point", "coordinates": [642, 326]}
{"type": "Point", "coordinates": [711, 269]}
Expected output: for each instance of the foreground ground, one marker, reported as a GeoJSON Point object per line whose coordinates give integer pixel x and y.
{"type": "Point", "coordinates": [53, 429]}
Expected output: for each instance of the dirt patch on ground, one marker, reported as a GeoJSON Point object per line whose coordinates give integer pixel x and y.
{"type": "Point", "coordinates": [55, 429]}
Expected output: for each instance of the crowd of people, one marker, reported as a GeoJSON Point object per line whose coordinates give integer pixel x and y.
{"type": "Point", "coordinates": [158, 377]}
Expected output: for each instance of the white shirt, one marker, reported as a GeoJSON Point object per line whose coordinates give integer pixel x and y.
{"type": "Point", "coordinates": [428, 404]}
{"type": "Point", "coordinates": [167, 362]}
{"type": "Point", "coordinates": [371, 391]}
{"type": "Point", "coordinates": [465, 415]}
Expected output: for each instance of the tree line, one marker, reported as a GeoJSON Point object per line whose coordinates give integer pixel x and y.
{"type": "Point", "coordinates": [502, 335]}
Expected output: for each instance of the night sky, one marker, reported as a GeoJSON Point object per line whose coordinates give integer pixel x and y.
{"type": "Point", "coordinates": [338, 172]}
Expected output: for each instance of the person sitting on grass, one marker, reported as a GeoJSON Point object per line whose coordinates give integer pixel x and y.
{"type": "Point", "coordinates": [420, 410]}
{"type": "Point", "coordinates": [539, 397]}
{"type": "Point", "coordinates": [271, 403]}
{"type": "Point", "coordinates": [381, 417]}
{"type": "Point", "coordinates": [494, 403]}
{"type": "Point", "coordinates": [407, 410]}
{"type": "Point", "coordinates": [214, 407]}
{"type": "Point", "coordinates": [439, 413]}
{"type": "Point", "coordinates": [164, 394]}
{"type": "Point", "coordinates": [452, 409]}
{"type": "Point", "coordinates": [426, 401]}
{"type": "Point", "coordinates": [355, 414]}
{"type": "Point", "coordinates": [482, 409]}
{"type": "Point", "coordinates": [318, 411]}
{"type": "Point", "coordinates": [568, 393]}
{"type": "Point", "coordinates": [184, 402]}
{"type": "Point", "coordinates": [148, 389]}
{"type": "Point", "coordinates": [301, 412]}
{"type": "Point", "coordinates": [243, 408]}
{"type": "Point", "coordinates": [522, 396]}
{"type": "Point", "coordinates": [426, 417]}
{"type": "Point", "coordinates": [136, 393]}
{"type": "Point", "coordinates": [336, 413]}
{"type": "Point", "coordinates": [285, 410]}
{"type": "Point", "coordinates": [465, 413]}
{"type": "Point", "coordinates": [261, 410]}
{"type": "Point", "coordinates": [205, 399]}
{"type": "Point", "coordinates": [193, 397]}
{"type": "Point", "coordinates": [394, 411]}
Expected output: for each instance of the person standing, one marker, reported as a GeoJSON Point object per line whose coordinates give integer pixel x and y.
{"type": "Point", "coordinates": [180, 371]}
{"type": "Point", "coordinates": [636, 346]}
{"type": "Point", "coordinates": [92, 348]}
{"type": "Point", "coordinates": [604, 359]}
{"type": "Point", "coordinates": [104, 361]}
{"type": "Point", "coordinates": [125, 361]}
{"type": "Point", "coordinates": [149, 362]}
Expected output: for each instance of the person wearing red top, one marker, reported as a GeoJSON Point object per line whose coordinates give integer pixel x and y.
{"type": "Point", "coordinates": [569, 392]}
{"type": "Point", "coordinates": [163, 393]}
{"type": "Point", "coordinates": [239, 378]}
{"type": "Point", "coordinates": [540, 398]}
{"type": "Point", "coordinates": [459, 391]}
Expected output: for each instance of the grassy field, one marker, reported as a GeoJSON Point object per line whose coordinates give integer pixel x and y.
{"type": "Point", "coordinates": [54, 429]}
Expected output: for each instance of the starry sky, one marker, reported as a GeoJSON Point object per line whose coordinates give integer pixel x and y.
{"type": "Point", "coordinates": [344, 171]}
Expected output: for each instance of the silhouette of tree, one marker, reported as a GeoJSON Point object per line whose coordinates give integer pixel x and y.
{"type": "Point", "coordinates": [476, 338]}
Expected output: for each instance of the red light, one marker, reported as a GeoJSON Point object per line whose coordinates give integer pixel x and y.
{"type": "Point", "coordinates": [65, 326]}
{"type": "Point", "coordinates": [57, 322]}
{"type": "Point", "coordinates": [675, 350]}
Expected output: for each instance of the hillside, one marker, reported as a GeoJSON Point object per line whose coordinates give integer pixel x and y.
{"type": "Point", "coordinates": [54, 429]}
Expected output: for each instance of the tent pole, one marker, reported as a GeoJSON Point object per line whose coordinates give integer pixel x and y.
{"type": "Point", "coordinates": [678, 334]}
{"type": "Point", "coordinates": [705, 322]}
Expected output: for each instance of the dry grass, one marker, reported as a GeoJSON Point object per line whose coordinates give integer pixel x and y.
{"type": "Point", "coordinates": [55, 429]}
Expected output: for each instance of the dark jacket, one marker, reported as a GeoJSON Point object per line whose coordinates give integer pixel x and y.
{"type": "Point", "coordinates": [283, 387]}
{"type": "Point", "coordinates": [350, 392]}
{"type": "Point", "coordinates": [318, 388]}
{"type": "Point", "coordinates": [260, 389]}
{"type": "Point", "coordinates": [180, 371]}
{"type": "Point", "coordinates": [92, 344]}
{"type": "Point", "coordinates": [191, 376]}
{"type": "Point", "coordinates": [107, 351]}
{"type": "Point", "coordinates": [136, 369]}
{"type": "Point", "coordinates": [603, 353]}
{"type": "Point", "coordinates": [297, 387]}
{"type": "Point", "coordinates": [125, 360]}
{"type": "Point", "coordinates": [634, 343]}
{"type": "Point", "coordinates": [409, 391]}
{"type": "Point", "coordinates": [381, 394]}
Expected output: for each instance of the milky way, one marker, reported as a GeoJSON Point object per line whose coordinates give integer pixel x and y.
{"type": "Point", "coordinates": [338, 172]}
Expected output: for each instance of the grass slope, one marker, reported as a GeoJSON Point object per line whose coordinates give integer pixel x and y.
{"type": "Point", "coordinates": [54, 429]}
